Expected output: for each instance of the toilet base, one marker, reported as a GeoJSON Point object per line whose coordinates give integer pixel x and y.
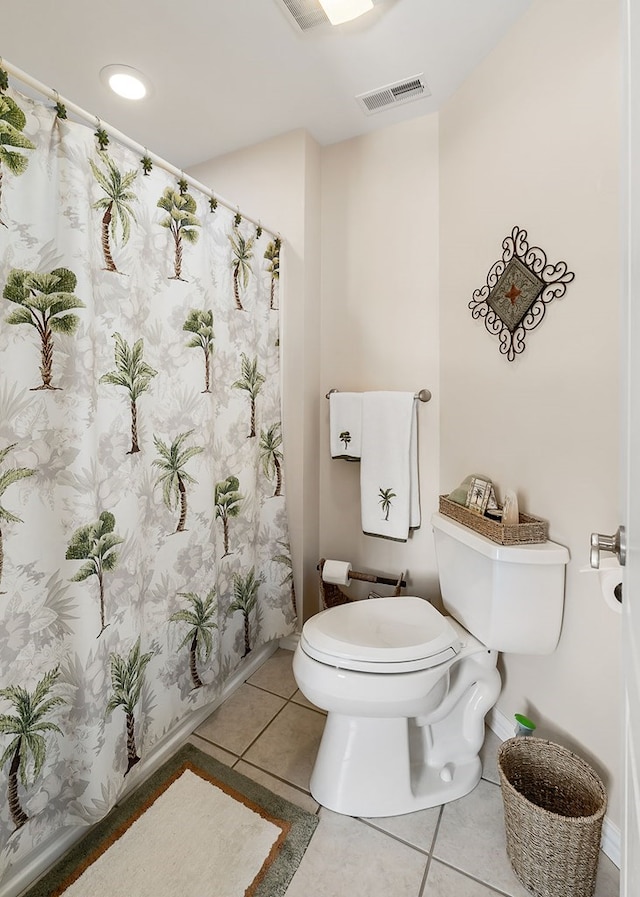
{"type": "Point", "coordinates": [376, 767]}
{"type": "Point", "coordinates": [391, 765]}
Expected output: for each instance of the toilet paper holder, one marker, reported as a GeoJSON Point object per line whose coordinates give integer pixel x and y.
{"type": "Point", "coordinates": [332, 594]}
{"type": "Point", "coordinates": [610, 575]}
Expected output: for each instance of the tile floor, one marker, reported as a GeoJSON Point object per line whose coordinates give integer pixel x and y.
{"type": "Point", "coordinates": [268, 731]}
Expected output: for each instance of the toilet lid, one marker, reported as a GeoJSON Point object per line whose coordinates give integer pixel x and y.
{"type": "Point", "coordinates": [382, 634]}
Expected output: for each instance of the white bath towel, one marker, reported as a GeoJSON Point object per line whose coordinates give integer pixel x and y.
{"type": "Point", "coordinates": [345, 424]}
{"type": "Point", "coordinates": [389, 483]}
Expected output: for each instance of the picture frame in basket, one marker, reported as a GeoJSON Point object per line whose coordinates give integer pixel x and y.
{"type": "Point", "coordinates": [478, 495]}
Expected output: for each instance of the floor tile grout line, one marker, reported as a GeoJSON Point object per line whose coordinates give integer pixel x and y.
{"type": "Point", "coordinates": [307, 707]}
{"type": "Point", "coordinates": [240, 756]}
{"type": "Point", "coordinates": [367, 821]}
{"type": "Point", "coordinates": [492, 888]}
{"type": "Point", "coordinates": [277, 778]}
{"type": "Point", "coordinates": [215, 744]}
{"type": "Point", "coordinates": [269, 691]}
{"type": "Point", "coordinates": [490, 781]}
{"type": "Point", "coordinates": [423, 883]}
{"type": "Point", "coordinates": [264, 729]}
{"type": "Point", "coordinates": [289, 700]}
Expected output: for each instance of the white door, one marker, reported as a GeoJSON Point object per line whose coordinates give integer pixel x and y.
{"type": "Point", "coordinates": [630, 877]}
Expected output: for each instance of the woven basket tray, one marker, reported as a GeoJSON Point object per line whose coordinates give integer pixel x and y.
{"type": "Point", "coordinates": [530, 529]}
{"type": "Point", "coordinates": [554, 805]}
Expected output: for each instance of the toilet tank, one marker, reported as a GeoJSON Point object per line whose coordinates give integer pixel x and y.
{"type": "Point", "coordinates": [510, 597]}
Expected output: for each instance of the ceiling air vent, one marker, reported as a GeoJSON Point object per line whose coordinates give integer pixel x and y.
{"type": "Point", "coordinates": [393, 94]}
{"type": "Point", "coordinates": [307, 13]}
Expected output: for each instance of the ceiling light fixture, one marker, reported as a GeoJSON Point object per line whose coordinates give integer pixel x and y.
{"type": "Point", "coordinates": [126, 81]}
{"type": "Point", "coordinates": [339, 11]}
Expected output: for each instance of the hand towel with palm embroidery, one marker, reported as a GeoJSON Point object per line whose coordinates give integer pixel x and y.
{"type": "Point", "coordinates": [345, 424]}
{"type": "Point", "coordinates": [389, 486]}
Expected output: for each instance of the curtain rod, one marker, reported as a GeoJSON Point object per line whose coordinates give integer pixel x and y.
{"type": "Point", "coordinates": [51, 94]}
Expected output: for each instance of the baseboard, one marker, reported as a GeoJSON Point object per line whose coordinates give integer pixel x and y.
{"type": "Point", "coordinates": [504, 728]}
{"type": "Point", "coordinates": [500, 725]}
{"type": "Point", "coordinates": [22, 876]}
{"type": "Point", "coordinates": [290, 642]}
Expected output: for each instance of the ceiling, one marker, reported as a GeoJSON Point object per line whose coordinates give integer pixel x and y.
{"type": "Point", "coordinates": [229, 73]}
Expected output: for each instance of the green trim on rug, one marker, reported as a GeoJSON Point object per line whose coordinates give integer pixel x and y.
{"type": "Point", "coordinates": [302, 824]}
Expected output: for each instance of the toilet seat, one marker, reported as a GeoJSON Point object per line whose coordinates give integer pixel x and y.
{"type": "Point", "coordinates": [382, 635]}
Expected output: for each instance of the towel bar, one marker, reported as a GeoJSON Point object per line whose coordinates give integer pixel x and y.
{"type": "Point", "coordinates": [424, 395]}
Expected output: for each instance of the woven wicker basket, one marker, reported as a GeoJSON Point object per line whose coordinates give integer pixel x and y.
{"type": "Point", "coordinates": [529, 529]}
{"type": "Point", "coordinates": [554, 804]}
{"type": "Point", "coordinates": [330, 594]}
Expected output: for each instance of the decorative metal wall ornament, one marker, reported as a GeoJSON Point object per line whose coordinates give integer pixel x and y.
{"type": "Point", "coordinates": [518, 289]}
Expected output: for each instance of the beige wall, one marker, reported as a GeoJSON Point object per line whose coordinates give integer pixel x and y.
{"type": "Point", "coordinates": [387, 236]}
{"type": "Point", "coordinates": [532, 139]}
{"type": "Point", "coordinates": [280, 181]}
{"type": "Point", "coordinates": [379, 327]}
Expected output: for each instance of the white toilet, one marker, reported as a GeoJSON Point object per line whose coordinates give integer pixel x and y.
{"type": "Point", "coordinates": [406, 689]}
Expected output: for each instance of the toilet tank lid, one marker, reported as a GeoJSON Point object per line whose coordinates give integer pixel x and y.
{"type": "Point", "coordinates": [522, 553]}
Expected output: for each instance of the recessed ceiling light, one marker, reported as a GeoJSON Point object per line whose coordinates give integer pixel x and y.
{"type": "Point", "coordinates": [126, 81]}
{"type": "Point", "coordinates": [339, 11]}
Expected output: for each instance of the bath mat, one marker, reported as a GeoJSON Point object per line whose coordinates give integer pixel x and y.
{"type": "Point", "coordinates": [194, 828]}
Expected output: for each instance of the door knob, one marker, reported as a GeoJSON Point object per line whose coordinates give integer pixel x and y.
{"type": "Point", "coordinates": [615, 544]}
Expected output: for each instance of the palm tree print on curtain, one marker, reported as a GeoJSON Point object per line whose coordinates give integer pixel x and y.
{"type": "Point", "coordinates": [245, 599]}
{"type": "Point", "coordinates": [250, 381]}
{"type": "Point", "coordinates": [272, 255]}
{"type": "Point", "coordinates": [28, 747]}
{"type": "Point", "coordinates": [242, 254]}
{"type": "Point", "coordinates": [271, 455]}
{"type": "Point", "coordinates": [12, 140]}
{"type": "Point", "coordinates": [286, 560]}
{"type": "Point", "coordinates": [45, 301]}
{"type": "Point", "coordinates": [127, 679]}
{"type": "Point", "coordinates": [200, 323]}
{"type": "Point", "coordinates": [95, 544]}
{"type": "Point", "coordinates": [95, 553]}
{"type": "Point", "coordinates": [181, 221]}
{"type": "Point", "coordinates": [199, 617]}
{"type": "Point", "coordinates": [174, 477]}
{"type": "Point", "coordinates": [8, 478]}
{"type": "Point", "coordinates": [228, 501]}
{"type": "Point", "coordinates": [133, 374]}
{"type": "Point", "coordinates": [115, 204]}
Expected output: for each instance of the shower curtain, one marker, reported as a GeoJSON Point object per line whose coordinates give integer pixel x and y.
{"type": "Point", "coordinates": [144, 549]}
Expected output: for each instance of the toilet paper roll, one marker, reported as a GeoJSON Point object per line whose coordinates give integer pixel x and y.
{"type": "Point", "coordinates": [610, 574]}
{"type": "Point", "coordinates": [337, 572]}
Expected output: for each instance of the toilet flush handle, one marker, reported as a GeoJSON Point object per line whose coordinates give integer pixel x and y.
{"type": "Point", "coordinates": [615, 544]}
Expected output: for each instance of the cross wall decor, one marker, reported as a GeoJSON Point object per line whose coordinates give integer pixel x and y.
{"type": "Point", "coordinates": [519, 287]}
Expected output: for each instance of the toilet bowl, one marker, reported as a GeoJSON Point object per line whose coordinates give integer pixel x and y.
{"type": "Point", "coordinates": [406, 688]}
{"type": "Point", "coordinates": [391, 742]}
